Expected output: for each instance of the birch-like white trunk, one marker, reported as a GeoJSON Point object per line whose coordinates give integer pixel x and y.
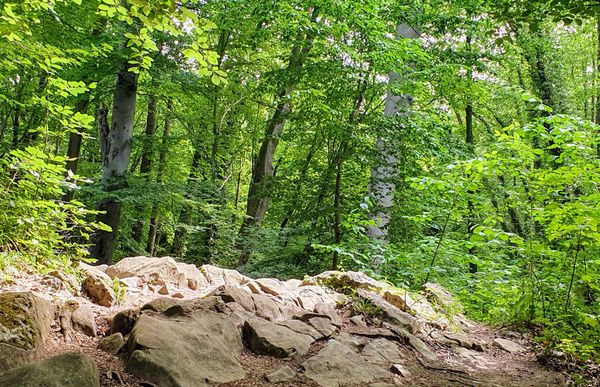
{"type": "Point", "coordinates": [384, 170]}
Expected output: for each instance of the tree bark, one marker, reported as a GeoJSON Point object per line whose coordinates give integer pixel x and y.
{"type": "Point", "coordinates": [146, 162]}
{"type": "Point", "coordinates": [162, 161]}
{"type": "Point", "coordinates": [74, 148]}
{"type": "Point", "coordinates": [384, 170]}
{"type": "Point", "coordinates": [259, 193]}
{"type": "Point", "coordinates": [115, 144]}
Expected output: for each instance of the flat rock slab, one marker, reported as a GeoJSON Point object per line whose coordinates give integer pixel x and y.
{"type": "Point", "coordinates": [508, 346]}
{"type": "Point", "coordinates": [25, 321]}
{"type": "Point", "coordinates": [382, 352]}
{"type": "Point", "coordinates": [337, 365]}
{"type": "Point", "coordinates": [282, 375]}
{"type": "Point", "coordinates": [188, 350]}
{"type": "Point", "coordinates": [66, 370]}
{"type": "Point", "coordinates": [267, 338]}
{"type": "Point", "coordinates": [301, 327]}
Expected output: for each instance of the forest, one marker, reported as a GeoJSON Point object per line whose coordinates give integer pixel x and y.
{"type": "Point", "coordinates": [455, 142]}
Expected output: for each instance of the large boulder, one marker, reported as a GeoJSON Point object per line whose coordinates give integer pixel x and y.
{"type": "Point", "coordinates": [337, 365]}
{"type": "Point", "coordinates": [97, 285]}
{"type": "Point", "coordinates": [344, 281]}
{"type": "Point", "coordinates": [66, 370]}
{"type": "Point", "coordinates": [267, 338]}
{"type": "Point", "coordinates": [195, 346]}
{"type": "Point", "coordinates": [391, 313]}
{"type": "Point", "coordinates": [25, 321]}
{"type": "Point", "coordinates": [153, 270]}
{"type": "Point", "coordinates": [218, 277]}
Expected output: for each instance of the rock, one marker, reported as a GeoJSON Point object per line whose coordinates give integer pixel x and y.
{"type": "Point", "coordinates": [164, 290]}
{"type": "Point", "coordinates": [421, 348]}
{"type": "Point", "coordinates": [77, 317]}
{"type": "Point", "coordinates": [414, 304]}
{"type": "Point", "coordinates": [25, 322]}
{"type": "Point", "coordinates": [330, 312]}
{"type": "Point", "coordinates": [301, 327]}
{"type": "Point", "coordinates": [391, 313]}
{"type": "Point", "coordinates": [508, 345]}
{"type": "Point", "coordinates": [196, 347]}
{"type": "Point", "coordinates": [124, 321]}
{"type": "Point", "coordinates": [359, 321]}
{"type": "Point", "coordinates": [401, 370]}
{"type": "Point", "coordinates": [356, 343]}
{"type": "Point", "coordinates": [131, 283]}
{"type": "Point", "coordinates": [177, 295]}
{"type": "Point", "coordinates": [152, 270]}
{"type": "Point", "coordinates": [267, 338]}
{"type": "Point", "coordinates": [229, 293]}
{"type": "Point", "coordinates": [160, 304]}
{"type": "Point", "coordinates": [53, 283]}
{"type": "Point", "coordinates": [69, 281]}
{"type": "Point", "coordinates": [308, 296]}
{"type": "Point", "coordinates": [191, 276]}
{"type": "Point", "coordinates": [293, 283]}
{"type": "Point", "coordinates": [111, 344]}
{"type": "Point", "coordinates": [460, 339]}
{"type": "Point", "coordinates": [238, 314]}
{"type": "Point", "coordinates": [342, 281]}
{"type": "Point", "coordinates": [83, 320]}
{"type": "Point", "coordinates": [271, 286]}
{"type": "Point", "coordinates": [266, 308]}
{"type": "Point", "coordinates": [216, 276]}
{"type": "Point", "coordinates": [282, 375]}
{"type": "Point", "coordinates": [464, 352]}
{"type": "Point", "coordinates": [98, 286]}
{"type": "Point", "coordinates": [323, 326]}
{"type": "Point", "coordinates": [66, 370]}
{"type": "Point", "coordinates": [417, 344]}
{"type": "Point", "coordinates": [382, 352]}
{"type": "Point", "coordinates": [337, 365]}
{"type": "Point", "coordinates": [441, 299]}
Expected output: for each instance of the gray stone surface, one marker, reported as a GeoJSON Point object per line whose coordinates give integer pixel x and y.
{"type": "Point", "coordinates": [25, 321]}
{"type": "Point", "coordinates": [337, 365]}
{"type": "Point", "coordinates": [194, 347]}
{"type": "Point", "coordinates": [267, 338]}
{"type": "Point", "coordinates": [66, 370]}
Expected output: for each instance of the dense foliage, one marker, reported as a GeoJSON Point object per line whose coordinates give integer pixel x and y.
{"type": "Point", "coordinates": [454, 142]}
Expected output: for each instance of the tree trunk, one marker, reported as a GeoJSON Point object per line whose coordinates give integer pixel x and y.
{"type": "Point", "coordinates": [384, 170]}
{"type": "Point", "coordinates": [146, 163]}
{"type": "Point", "coordinates": [115, 144]}
{"type": "Point", "coordinates": [598, 92]}
{"type": "Point", "coordinates": [162, 161]}
{"type": "Point", "coordinates": [178, 247]}
{"type": "Point", "coordinates": [259, 193]}
{"type": "Point", "coordinates": [74, 148]}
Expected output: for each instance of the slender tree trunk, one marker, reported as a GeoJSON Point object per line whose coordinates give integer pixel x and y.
{"type": "Point", "coordinates": [162, 161]}
{"type": "Point", "coordinates": [146, 163]}
{"type": "Point", "coordinates": [74, 148]}
{"type": "Point", "coordinates": [337, 201]}
{"type": "Point", "coordinates": [597, 105]}
{"type": "Point", "coordinates": [178, 247]}
{"type": "Point", "coordinates": [259, 193]}
{"type": "Point", "coordinates": [115, 144]}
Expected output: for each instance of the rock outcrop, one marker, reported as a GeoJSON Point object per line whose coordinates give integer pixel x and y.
{"type": "Point", "coordinates": [192, 346]}
{"type": "Point", "coordinates": [66, 370]}
{"type": "Point", "coordinates": [25, 321]}
{"type": "Point", "coordinates": [334, 329]}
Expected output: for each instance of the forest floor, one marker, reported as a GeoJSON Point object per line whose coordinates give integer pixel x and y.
{"type": "Point", "coordinates": [455, 365]}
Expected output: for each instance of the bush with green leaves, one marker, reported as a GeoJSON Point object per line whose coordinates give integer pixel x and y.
{"type": "Point", "coordinates": [36, 226]}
